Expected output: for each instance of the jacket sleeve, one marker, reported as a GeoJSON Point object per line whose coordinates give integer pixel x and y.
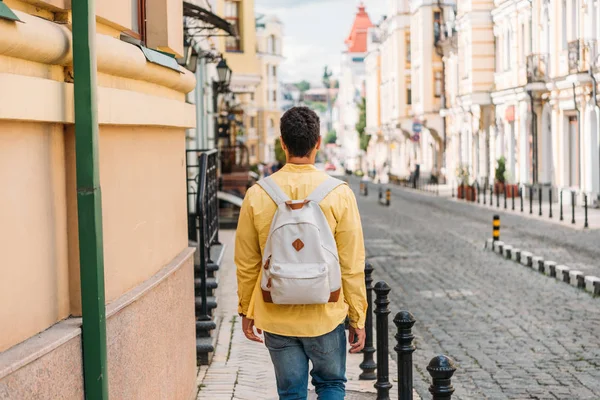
{"type": "Point", "coordinates": [351, 250]}
{"type": "Point", "coordinates": [247, 254]}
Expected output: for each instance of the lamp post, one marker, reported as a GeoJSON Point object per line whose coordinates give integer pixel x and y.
{"type": "Point", "coordinates": [220, 85]}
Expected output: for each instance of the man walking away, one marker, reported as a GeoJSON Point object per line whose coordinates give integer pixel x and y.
{"type": "Point", "coordinates": [300, 258]}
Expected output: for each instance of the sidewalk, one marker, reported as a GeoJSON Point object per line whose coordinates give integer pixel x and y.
{"type": "Point", "coordinates": [242, 369]}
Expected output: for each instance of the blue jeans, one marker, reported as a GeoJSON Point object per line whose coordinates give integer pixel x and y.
{"type": "Point", "coordinates": [290, 357]}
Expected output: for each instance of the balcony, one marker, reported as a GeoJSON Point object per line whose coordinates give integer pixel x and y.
{"type": "Point", "coordinates": [537, 68]}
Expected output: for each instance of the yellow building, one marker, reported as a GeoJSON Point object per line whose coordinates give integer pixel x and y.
{"type": "Point", "coordinates": [148, 267]}
{"type": "Point", "coordinates": [269, 36]}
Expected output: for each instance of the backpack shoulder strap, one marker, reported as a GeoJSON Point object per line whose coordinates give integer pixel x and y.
{"type": "Point", "coordinates": [324, 189]}
{"type": "Point", "coordinates": [273, 190]}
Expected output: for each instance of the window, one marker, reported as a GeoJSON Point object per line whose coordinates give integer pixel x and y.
{"type": "Point", "coordinates": [232, 15]}
{"type": "Point", "coordinates": [252, 122]}
{"type": "Point", "coordinates": [275, 95]}
{"type": "Point", "coordinates": [272, 44]}
{"type": "Point", "coordinates": [274, 74]}
{"type": "Point", "coordinates": [574, 19]}
{"type": "Point", "coordinates": [138, 19]}
{"type": "Point", "coordinates": [507, 49]}
{"type": "Point", "coordinates": [253, 150]}
{"type": "Point", "coordinates": [437, 83]}
{"type": "Point", "coordinates": [564, 25]}
{"type": "Point", "coordinates": [408, 93]}
{"type": "Point", "coordinates": [437, 21]}
{"type": "Point", "coordinates": [408, 52]}
{"type": "Point", "coordinates": [522, 49]}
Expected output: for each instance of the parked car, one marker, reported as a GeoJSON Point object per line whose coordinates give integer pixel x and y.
{"type": "Point", "coordinates": [330, 167]}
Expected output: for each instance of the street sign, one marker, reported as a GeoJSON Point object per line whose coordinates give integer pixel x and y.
{"type": "Point", "coordinates": [417, 126]}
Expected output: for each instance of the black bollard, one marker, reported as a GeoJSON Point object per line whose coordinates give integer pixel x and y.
{"type": "Point", "coordinates": [586, 224]}
{"type": "Point", "coordinates": [531, 199]}
{"type": "Point", "coordinates": [561, 205]}
{"type": "Point", "coordinates": [512, 195]}
{"type": "Point", "coordinates": [441, 369]}
{"type": "Point", "coordinates": [505, 206]}
{"type": "Point", "coordinates": [521, 196]}
{"type": "Point", "coordinates": [540, 200]}
{"type": "Point", "coordinates": [484, 193]}
{"type": "Point", "coordinates": [382, 311]}
{"type": "Point", "coordinates": [550, 202]}
{"type": "Point", "coordinates": [452, 189]}
{"type": "Point", "coordinates": [404, 322]}
{"type": "Point", "coordinates": [498, 198]}
{"type": "Point", "coordinates": [573, 207]}
{"type": "Point", "coordinates": [368, 365]}
{"type": "Point", "coordinates": [478, 193]}
{"type": "Point", "coordinates": [366, 189]}
{"type": "Point", "coordinates": [491, 195]}
{"type": "Point", "coordinates": [380, 194]}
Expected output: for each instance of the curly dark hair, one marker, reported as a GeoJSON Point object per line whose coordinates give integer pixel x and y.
{"type": "Point", "coordinates": [300, 130]}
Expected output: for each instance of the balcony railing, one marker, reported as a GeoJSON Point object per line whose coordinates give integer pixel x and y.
{"type": "Point", "coordinates": [537, 68]}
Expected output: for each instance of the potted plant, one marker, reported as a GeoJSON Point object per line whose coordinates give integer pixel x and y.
{"type": "Point", "coordinates": [500, 175]}
{"type": "Point", "coordinates": [463, 175]}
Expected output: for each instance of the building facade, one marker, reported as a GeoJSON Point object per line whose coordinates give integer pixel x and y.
{"type": "Point", "coordinates": [269, 32]}
{"type": "Point", "coordinates": [148, 268]}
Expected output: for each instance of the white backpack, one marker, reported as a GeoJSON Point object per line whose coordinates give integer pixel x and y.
{"type": "Point", "coordinates": [300, 260]}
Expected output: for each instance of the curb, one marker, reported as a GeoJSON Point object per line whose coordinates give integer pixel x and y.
{"type": "Point", "coordinates": [551, 269]}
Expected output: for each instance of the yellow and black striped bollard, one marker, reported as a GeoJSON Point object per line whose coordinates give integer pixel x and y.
{"type": "Point", "coordinates": [496, 226]}
{"type": "Point", "coordinates": [388, 196]}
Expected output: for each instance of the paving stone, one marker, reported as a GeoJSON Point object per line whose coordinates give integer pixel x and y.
{"type": "Point", "coordinates": [517, 335]}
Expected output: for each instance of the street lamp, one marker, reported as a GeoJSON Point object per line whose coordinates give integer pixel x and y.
{"type": "Point", "coordinates": [190, 57]}
{"type": "Point", "coordinates": [223, 74]}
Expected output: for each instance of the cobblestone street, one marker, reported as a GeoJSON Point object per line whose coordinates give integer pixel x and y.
{"type": "Point", "coordinates": [514, 333]}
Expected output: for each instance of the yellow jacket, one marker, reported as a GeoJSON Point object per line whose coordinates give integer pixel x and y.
{"type": "Point", "coordinates": [341, 211]}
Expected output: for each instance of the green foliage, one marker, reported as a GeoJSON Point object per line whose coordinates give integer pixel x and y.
{"type": "Point", "coordinates": [361, 125]}
{"type": "Point", "coordinates": [501, 170]}
{"type": "Point", "coordinates": [279, 153]}
{"type": "Point", "coordinates": [303, 86]}
{"type": "Point", "coordinates": [331, 137]}
{"type": "Point", "coordinates": [316, 106]}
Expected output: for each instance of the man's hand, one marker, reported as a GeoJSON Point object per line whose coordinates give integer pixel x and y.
{"type": "Point", "coordinates": [248, 328]}
{"type": "Point", "coordinates": [356, 338]}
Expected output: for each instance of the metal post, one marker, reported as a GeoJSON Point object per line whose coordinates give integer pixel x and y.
{"type": "Point", "coordinates": [585, 199]}
{"type": "Point", "coordinates": [572, 207]}
{"type": "Point", "coordinates": [512, 194]}
{"type": "Point", "coordinates": [366, 189]}
{"type": "Point", "coordinates": [404, 322]}
{"type": "Point", "coordinates": [550, 202]}
{"type": "Point", "coordinates": [492, 195]}
{"type": "Point", "coordinates": [89, 201]}
{"type": "Point", "coordinates": [441, 369]}
{"type": "Point", "coordinates": [496, 228]}
{"type": "Point", "coordinates": [540, 200]}
{"type": "Point", "coordinates": [452, 189]}
{"type": "Point", "coordinates": [478, 193]}
{"type": "Point", "coordinates": [382, 311]}
{"type": "Point", "coordinates": [484, 193]}
{"type": "Point", "coordinates": [531, 199]}
{"type": "Point", "coordinates": [561, 205]}
{"type": "Point", "coordinates": [368, 365]}
{"type": "Point", "coordinates": [521, 196]}
{"type": "Point", "coordinates": [498, 198]}
{"type": "Point", "coordinates": [505, 206]}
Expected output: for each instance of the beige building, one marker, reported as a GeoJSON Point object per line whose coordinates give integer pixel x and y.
{"type": "Point", "coordinates": [467, 41]}
{"type": "Point", "coordinates": [148, 267]}
{"type": "Point", "coordinates": [269, 36]}
{"type": "Point", "coordinates": [427, 82]}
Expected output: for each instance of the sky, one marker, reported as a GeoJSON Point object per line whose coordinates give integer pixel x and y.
{"type": "Point", "coordinates": [314, 33]}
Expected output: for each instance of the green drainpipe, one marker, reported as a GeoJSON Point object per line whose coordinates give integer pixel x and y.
{"type": "Point", "coordinates": [89, 201]}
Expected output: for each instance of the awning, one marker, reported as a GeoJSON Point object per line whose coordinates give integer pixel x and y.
{"type": "Point", "coordinates": [209, 19]}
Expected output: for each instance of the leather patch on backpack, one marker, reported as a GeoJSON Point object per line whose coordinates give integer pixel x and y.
{"type": "Point", "coordinates": [298, 244]}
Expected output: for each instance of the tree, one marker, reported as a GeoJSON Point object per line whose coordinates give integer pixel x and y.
{"type": "Point", "coordinates": [361, 125]}
{"type": "Point", "coordinates": [303, 86]}
{"type": "Point", "coordinates": [331, 137]}
{"type": "Point", "coordinates": [279, 153]}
